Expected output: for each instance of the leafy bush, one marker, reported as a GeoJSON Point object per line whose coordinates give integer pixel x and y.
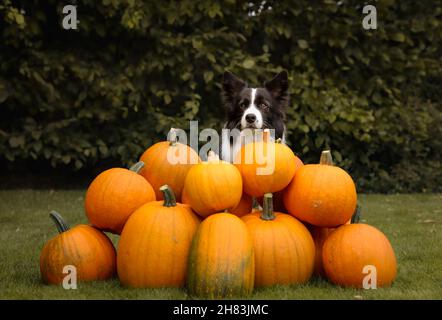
{"type": "Point", "coordinates": [133, 69]}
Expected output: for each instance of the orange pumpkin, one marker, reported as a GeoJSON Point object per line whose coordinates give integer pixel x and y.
{"type": "Point", "coordinates": [212, 186]}
{"type": "Point", "coordinates": [84, 247]}
{"type": "Point", "coordinates": [321, 194]}
{"type": "Point", "coordinates": [320, 234]}
{"type": "Point", "coordinates": [244, 206]}
{"type": "Point", "coordinates": [284, 248]}
{"type": "Point", "coordinates": [158, 170]}
{"type": "Point", "coordinates": [351, 248]}
{"type": "Point", "coordinates": [154, 245]}
{"type": "Point", "coordinates": [221, 263]}
{"type": "Point", "coordinates": [278, 202]}
{"type": "Point", "coordinates": [265, 166]}
{"type": "Point", "coordinates": [114, 195]}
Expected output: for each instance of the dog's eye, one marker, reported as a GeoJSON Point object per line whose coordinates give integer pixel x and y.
{"type": "Point", "coordinates": [242, 105]}
{"type": "Point", "coordinates": [263, 106]}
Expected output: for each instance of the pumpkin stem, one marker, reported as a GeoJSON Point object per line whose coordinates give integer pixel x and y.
{"type": "Point", "coordinates": [61, 225]}
{"type": "Point", "coordinates": [212, 156]}
{"type": "Point", "coordinates": [356, 215]}
{"type": "Point", "coordinates": [279, 140]}
{"type": "Point", "coordinates": [137, 167]}
{"type": "Point", "coordinates": [169, 196]}
{"type": "Point", "coordinates": [326, 158]}
{"type": "Point", "coordinates": [172, 137]}
{"type": "Point", "coordinates": [267, 211]}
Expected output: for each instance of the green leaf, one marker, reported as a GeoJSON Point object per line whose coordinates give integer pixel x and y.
{"type": "Point", "coordinates": [302, 44]}
{"type": "Point", "coordinates": [248, 64]}
{"type": "Point", "coordinates": [17, 141]}
{"type": "Point", "coordinates": [398, 37]}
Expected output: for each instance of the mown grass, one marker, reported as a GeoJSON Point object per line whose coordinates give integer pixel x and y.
{"type": "Point", "coordinates": [413, 223]}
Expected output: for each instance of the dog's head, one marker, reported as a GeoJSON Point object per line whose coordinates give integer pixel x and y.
{"type": "Point", "coordinates": [256, 108]}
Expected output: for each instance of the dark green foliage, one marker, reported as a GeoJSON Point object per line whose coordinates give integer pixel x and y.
{"type": "Point", "coordinates": [133, 69]}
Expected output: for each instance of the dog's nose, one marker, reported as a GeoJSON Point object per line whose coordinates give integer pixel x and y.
{"type": "Point", "coordinates": [250, 118]}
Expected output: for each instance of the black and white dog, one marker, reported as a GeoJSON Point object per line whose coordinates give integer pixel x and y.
{"type": "Point", "coordinates": [253, 108]}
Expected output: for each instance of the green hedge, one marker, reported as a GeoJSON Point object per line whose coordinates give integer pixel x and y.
{"type": "Point", "coordinates": [133, 69]}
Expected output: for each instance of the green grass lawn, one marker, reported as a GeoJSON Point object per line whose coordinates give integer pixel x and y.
{"type": "Point", "coordinates": [413, 223]}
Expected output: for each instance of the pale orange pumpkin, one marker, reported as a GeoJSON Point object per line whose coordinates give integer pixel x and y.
{"type": "Point", "coordinates": [212, 186]}
{"type": "Point", "coordinates": [321, 194]}
{"type": "Point", "coordinates": [168, 162]}
{"type": "Point", "coordinates": [265, 166]}
{"type": "Point", "coordinates": [114, 194]}
{"type": "Point", "coordinates": [284, 248]}
{"type": "Point", "coordinates": [221, 263]}
{"type": "Point", "coordinates": [154, 246]}
{"type": "Point", "coordinates": [349, 249]}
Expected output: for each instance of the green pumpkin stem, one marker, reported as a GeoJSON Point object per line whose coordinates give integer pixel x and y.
{"type": "Point", "coordinates": [278, 140]}
{"type": "Point", "coordinates": [172, 137]}
{"type": "Point", "coordinates": [267, 210]}
{"type": "Point", "coordinates": [137, 167]}
{"type": "Point", "coordinates": [61, 225]}
{"type": "Point", "coordinates": [168, 195]}
{"type": "Point", "coordinates": [326, 158]}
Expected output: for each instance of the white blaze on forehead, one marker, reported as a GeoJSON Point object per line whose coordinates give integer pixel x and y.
{"type": "Point", "coordinates": [252, 110]}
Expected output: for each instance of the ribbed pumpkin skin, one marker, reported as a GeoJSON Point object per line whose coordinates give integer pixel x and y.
{"type": "Point", "coordinates": [320, 234]}
{"type": "Point", "coordinates": [221, 262]}
{"type": "Point", "coordinates": [113, 196]}
{"type": "Point", "coordinates": [212, 187]}
{"type": "Point", "coordinates": [283, 162]}
{"type": "Point", "coordinates": [278, 202]}
{"type": "Point", "coordinates": [351, 247]}
{"type": "Point", "coordinates": [321, 195]}
{"type": "Point", "coordinates": [284, 250]}
{"type": "Point", "coordinates": [158, 171]}
{"type": "Point", "coordinates": [244, 206]}
{"type": "Point", "coordinates": [84, 247]}
{"type": "Point", "coordinates": [154, 246]}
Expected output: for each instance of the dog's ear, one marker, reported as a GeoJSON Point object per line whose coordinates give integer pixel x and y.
{"type": "Point", "coordinates": [232, 83]}
{"type": "Point", "coordinates": [278, 86]}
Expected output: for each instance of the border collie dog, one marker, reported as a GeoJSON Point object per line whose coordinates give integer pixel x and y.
{"type": "Point", "coordinates": [253, 108]}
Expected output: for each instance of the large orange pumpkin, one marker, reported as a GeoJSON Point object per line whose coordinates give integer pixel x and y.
{"type": "Point", "coordinates": [321, 194]}
{"type": "Point", "coordinates": [284, 248]}
{"type": "Point", "coordinates": [158, 170]}
{"type": "Point", "coordinates": [244, 206]}
{"type": "Point", "coordinates": [84, 247]}
{"type": "Point", "coordinates": [221, 263]}
{"type": "Point", "coordinates": [114, 195]}
{"type": "Point", "coordinates": [351, 248]}
{"type": "Point", "coordinates": [212, 186]}
{"type": "Point", "coordinates": [265, 166]}
{"type": "Point", "coordinates": [154, 245]}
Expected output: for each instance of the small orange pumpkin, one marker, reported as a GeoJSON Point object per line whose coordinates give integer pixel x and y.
{"type": "Point", "coordinates": [284, 248]}
{"type": "Point", "coordinates": [114, 195]}
{"type": "Point", "coordinates": [221, 263]}
{"type": "Point", "coordinates": [212, 186]}
{"type": "Point", "coordinates": [158, 170]}
{"type": "Point", "coordinates": [244, 206]}
{"type": "Point", "coordinates": [154, 245]}
{"type": "Point", "coordinates": [273, 175]}
{"type": "Point", "coordinates": [321, 194]}
{"type": "Point", "coordinates": [84, 247]}
{"type": "Point", "coordinates": [349, 249]}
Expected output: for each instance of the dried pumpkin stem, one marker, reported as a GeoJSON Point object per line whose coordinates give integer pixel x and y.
{"type": "Point", "coordinates": [61, 225]}
{"type": "Point", "coordinates": [172, 137]}
{"type": "Point", "coordinates": [267, 211]}
{"type": "Point", "coordinates": [137, 167]}
{"type": "Point", "coordinates": [168, 195]}
{"type": "Point", "coordinates": [326, 158]}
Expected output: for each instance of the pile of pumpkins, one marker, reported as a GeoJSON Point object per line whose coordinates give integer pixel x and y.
{"type": "Point", "coordinates": [192, 225]}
